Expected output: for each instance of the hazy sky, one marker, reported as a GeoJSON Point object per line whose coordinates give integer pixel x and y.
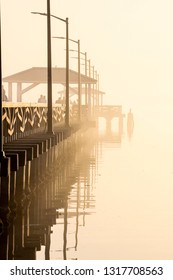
{"type": "Point", "coordinates": [130, 43]}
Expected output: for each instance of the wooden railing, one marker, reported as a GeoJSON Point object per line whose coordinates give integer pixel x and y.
{"type": "Point", "coordinates": [22, 119]}
{"type": "Point", "coordinates": [109, 111]}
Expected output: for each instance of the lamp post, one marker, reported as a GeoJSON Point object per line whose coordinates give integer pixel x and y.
{"type": "Point", "coordinates": [86, 75]}
{"type": "Point", "coordinates": [4, 161]}
{"type": "Point", "coordinates": [89, 91]}
{"type": "Point", "coordinates": [50, 67]}
{"type": "Point", "coordinates": [89, 68]}
{"type": "Point", "coordinates": [98, 95]}
{"type": "Point", "coordinates": [49, 71]}
{"type": "Point", "coordinates": [93, 92]}
{"type": "Point", "coordinates": [79, 81]}
{"type": "Point", "coordinates": [2, 154]}
{"type": "Point", "coordinates": [85, 54]}
{"type": "Point", "coordinates": [1, 130]}
{"type": "Point", "coordinates": [79, 71]}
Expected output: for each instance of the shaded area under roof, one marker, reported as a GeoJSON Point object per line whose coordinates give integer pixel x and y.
{"type": "Point", "coordinates": [74, 90]}
{"type": "Point", "coordinates": [39, 75]}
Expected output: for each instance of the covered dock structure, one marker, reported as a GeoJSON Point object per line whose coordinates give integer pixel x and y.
{"type": "Point", "coordinates": [38, 75]}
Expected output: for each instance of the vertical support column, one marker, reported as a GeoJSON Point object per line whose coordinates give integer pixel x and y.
{"type": "Point", "coordinates": [121, 124]}
{"type": "Point", "coordinates": [97, 90]}
{"type": "Point", "coordinates": [97, 98]}
{"type": "Point", "coordinates": [4, 206]}
{"type": "Point", "coordinates": [89, 93]}
{"type": "Point", "coordinates": [89, 101]}
{"type": "Point", "coordinates": [13, 191]}
{"type": "Point", "coordinates": [86, 101]}
{"type": "Point", "coordinates": [2, 154]}
{"type": "Point", "coordinates": [5, 185]}
{"type": "Point", "coordinates": [19, 92]}
{"type": "Point", "coordinates": [120, 117]}
{"type": "Point", "coordinates": [9, 91]}
{"type": "Point", "coordinates": [4, 242]}
{"type": "Point", "coordinates": [93, 94]}
{"type": "Point", "coordinates": [49, 70]}
{"type": "Point", "coordinates": [79, 84]}
{"type": "Point", "coordinates": [101, 99]}
{"type": "Point", "coordinates": [20, 185]}
{"type": "Point", "coordinates": [65, 229]}
{"type": "Point", "coordinates": [19, 236]}
{"type": "Point", "coordinates": [67, 121]}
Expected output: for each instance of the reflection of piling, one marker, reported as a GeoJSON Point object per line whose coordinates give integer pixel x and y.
{"type": "Point", "coordinates": [36, 188]}
{"type": "Point", "coordinates": [19, 234]}
{"type": "Point", "coordinates": [47, 244]}
{"type": "Point", "coordinates": [11, 232]}
{"type": "Point", "coordinates": [4, 242]}
{"type": "Point", "coordinates": [5, 187]}
{"type": "Point", "coordinates": [65, 231]}
{"type": "Point", "coordinates": [13, 203]}
{"type": "Point", "coordinates": [28, 178]}
{"type": "Point", "coordinates": [20, 189]}
{"type": "Point", "coordinates": [77, 213]}
{"type": "Point", "coordinates": [5, 194]}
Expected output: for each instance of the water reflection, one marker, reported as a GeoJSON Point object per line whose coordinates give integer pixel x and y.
{"type": "Point", "coordinates": [95, 197]}
{"type": "Point", "coordinates": [55, 198]}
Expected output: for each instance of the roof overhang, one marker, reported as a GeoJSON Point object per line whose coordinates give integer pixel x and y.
{"type": "Point", "coordinates": [38, 75]}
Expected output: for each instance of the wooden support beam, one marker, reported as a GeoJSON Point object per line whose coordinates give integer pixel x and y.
{"type": "Point", "coordinates": [19, 92]}
{"type": "Point", "coordinates": [29, 88]}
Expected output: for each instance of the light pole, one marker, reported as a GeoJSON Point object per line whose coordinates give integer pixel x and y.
{"type": "Point", "coordinates": [89, 68]}
{"type": "Point", "coordinates": [98, 95]}
{"type": "Point", "coordinates": [4, 161]}
{"type": "Point", "coordinates": [49, 71]}
{"type": "Point", "coordinates": [2, 154]}
{"type": "Point", "coordinates": [79, 72]}
{"type": "Point", "coordinates": [93, 92]}
{"type": "Point", "coordinates": [85, 54]}
{"type": "Point", "coordinates": [79, 81]}
{"type": "Point", "coordinates": [89, 91]}
{"type": "Point", "coordinates": [50, 67]}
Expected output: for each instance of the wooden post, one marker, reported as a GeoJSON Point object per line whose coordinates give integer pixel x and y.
{"type": "Point", "coordinates": [19, 92]}
{"type": "Point", "coordinates": [10, 91]}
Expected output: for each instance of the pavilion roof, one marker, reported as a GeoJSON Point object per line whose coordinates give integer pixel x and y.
{"type": "Point", "coordinates": [39, 75]}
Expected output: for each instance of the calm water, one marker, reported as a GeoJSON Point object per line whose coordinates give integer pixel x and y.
{"type": "Point", "coordinates": [120, 203]}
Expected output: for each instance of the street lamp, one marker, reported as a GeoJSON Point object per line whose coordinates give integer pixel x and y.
{"type": "Point", "coordinates": [50, 67]}
{"type": "Point", "coordinates": [85, 54]}
{"type": "Point", "coordinates": [98, 95]}
{"type": "Point", "coordinates": [2, 153]}
{"type": "Point", "coordinates": [79, 76]}
{"type": "Point", "coordinates": [1, 124]}
{"type": "Point", "coordinates": [4, 161]}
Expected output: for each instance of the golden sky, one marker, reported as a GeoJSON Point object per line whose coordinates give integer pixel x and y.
{"type": "Point", "coordinates": [130, 43]}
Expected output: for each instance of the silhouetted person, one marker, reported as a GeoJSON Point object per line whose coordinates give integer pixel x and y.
{"type": "Point", "coordinates": [59, 101]}
{"type": "Point", "coordinates": [4, 96]}
{"type": "Point", "coordinates": [42, 99]}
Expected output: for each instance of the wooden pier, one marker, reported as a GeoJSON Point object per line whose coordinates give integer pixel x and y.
{"type": "Point", "coordinates": [28, 204]}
